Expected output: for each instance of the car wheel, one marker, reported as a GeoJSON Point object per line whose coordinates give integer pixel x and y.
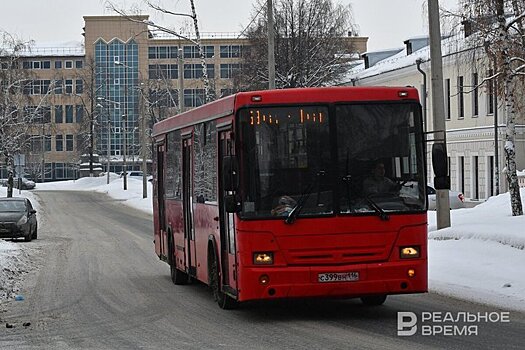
{"type": "Point", "coordinates": [29, 237]}
{"type": "Point", "coordinates": [374, 300]}
{"type": "Point", "coordinates": [35, 232]}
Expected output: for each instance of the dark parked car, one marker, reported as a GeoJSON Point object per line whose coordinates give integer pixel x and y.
{"type": "Point", "coordinates": [17, 219]}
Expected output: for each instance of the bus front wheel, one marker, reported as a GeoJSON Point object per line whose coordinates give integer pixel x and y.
{"type": "Point", "coordinates": [374, 300]}
{"type": "Point", "coordinates": [225, 301]}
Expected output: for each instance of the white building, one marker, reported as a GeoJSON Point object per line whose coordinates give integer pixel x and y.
{"type": "Point", "coordinates": [469, 108]}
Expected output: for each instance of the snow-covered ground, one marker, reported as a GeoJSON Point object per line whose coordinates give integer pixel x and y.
{"type": "Point", "coordinates": [479, 258]}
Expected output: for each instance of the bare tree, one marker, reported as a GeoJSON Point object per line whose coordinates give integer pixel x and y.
{"type": "Point", "coordinates": [311, 44]}
{"type": "Point", "coordinates": [15, 119]}
{"type": "Point", "coordinates": [88, 100]}
{"type": "Point", "coordinates": [208, 92]}
{"type": "Point", "coordinates": [497, 26]}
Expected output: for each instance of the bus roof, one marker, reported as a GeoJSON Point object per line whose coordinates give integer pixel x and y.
{"type": "Point", "coordinates": [227, 105]}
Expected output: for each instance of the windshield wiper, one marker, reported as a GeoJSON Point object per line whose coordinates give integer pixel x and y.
{"type": "Point", "coordinates": [382, 215]}
{"type": "Point", "coordinates": [302, 200]}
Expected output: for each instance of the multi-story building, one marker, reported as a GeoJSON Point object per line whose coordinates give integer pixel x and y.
{"type": "Point", "coordinates": [54, 91]}
{"type": "Point", "coordinates": [103, 95]}
{"type": "Point", "coordinates": [475, 121]}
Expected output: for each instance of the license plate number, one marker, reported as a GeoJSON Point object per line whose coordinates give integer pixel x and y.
{"type": "Point", "coordinates": [338, 277]}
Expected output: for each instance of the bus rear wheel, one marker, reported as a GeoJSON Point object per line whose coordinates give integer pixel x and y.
{"type": "Point", "coordinates": [225, 301]}
{"type": "Point", "coordinates": [374, 300]}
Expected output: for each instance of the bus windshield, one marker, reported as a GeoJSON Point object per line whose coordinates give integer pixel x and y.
{"type": "Point", "coordinates": [304, 160]}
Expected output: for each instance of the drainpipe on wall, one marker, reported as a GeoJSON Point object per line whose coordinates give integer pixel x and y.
{"type": "Point", "coordinates": [419, 61]}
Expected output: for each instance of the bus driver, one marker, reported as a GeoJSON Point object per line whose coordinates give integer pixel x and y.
{"type": "Point", "coordinates": [377, 182]}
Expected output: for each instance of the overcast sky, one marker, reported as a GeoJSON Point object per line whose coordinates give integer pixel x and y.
{"type": "Point", "coordinates": [387, 23]}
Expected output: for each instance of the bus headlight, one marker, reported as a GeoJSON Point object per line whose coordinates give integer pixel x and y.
{"type": "Point", "coordinates": [409, 252]}
{"type": "Point", "coordinates": [263, 258]}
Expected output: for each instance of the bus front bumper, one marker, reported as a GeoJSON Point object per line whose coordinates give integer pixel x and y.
{"type": "Point", "coordinates": [400, 277]}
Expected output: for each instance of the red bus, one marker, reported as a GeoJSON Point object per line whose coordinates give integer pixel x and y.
{"type": "Point", "coordinates": [261, 195]}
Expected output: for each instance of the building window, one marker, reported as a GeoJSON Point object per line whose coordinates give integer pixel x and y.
{"type": "Point", "coordinates": [69, 64]}
{"type": "Point", "coordinates": [36, 65]}
{"type": "Point", "coordinates": [59, 170]}
{"type": "Point", "coordinates": [163, 71]}
{"type": "Point", "coordinates": [231, 51]}
{"type": "Point", "coordinates": [447, 98]}
{"type": "Point", "coordinates": [194, 97]}
{"type": "Point", "coordinates": [163, 97]}
{"type": "Point", "coordinates": [152, 52]}
{"type": "Point", "coordinates": [69, 86]}
{"type": "Point", "coordinates": [46, 64]}
{"type": "Point", "coordinates": [461, 99]}
{"type": "Point", "coordinates": [475, 178]}
{"type": "Point", "coordinates": [69, 114]}
{"type": "Point", "coordinates": [461, 174]}
{"type": "Point", "coordinates": [79, 64]}
{"type": "Point", "coordinates": [58, 87]}
{"type": "Point", "coordinates": [69, 143]}
{"type": "Point", "coordinates": [59, 143]}
{"type": "Point", "coordinates": [36, 143]}
{"type": "Point", "coordinates": [79, 113]}
{"type": "Point", "coordinates": [194, 71]}
{"type": "Point", "coordinates": [490, 93]}
{"type": "Point", "coordinates": [490, 175]}
{"type": "Point", "coordinates": [59, 114]}
{"type": "Point", "coordinates": [58, 64]}
{"type": "Point", "coordinates": [193, 51]}
{"type": "Point", "coordinates": [162, 52]}
{"type": "Point", "coordinates": [229, 70]}
{"type": "Point", "coordinates": [79, 86]}
{"type": "Point", "coordinates": [45, 114]}
{"type": "Point", "coordinates": [475, 97]}
{"type": "Point", "coordinates": [47, 143]}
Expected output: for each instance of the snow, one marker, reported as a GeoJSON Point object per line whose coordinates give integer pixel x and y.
{"type": "Point", "coordinates": [479, 258]}
{"type": "Point", "coordinates": [449, 45]}
{"type": "Point", "coordinates": [68, 48]}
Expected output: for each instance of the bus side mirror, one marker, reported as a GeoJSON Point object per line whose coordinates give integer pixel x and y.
{"type": "Point", "coordinates": [230, 173]}
{"type": "Point", "coordinates": [231, 205]}
{"type": "Point", "coordinates": [439, 164]}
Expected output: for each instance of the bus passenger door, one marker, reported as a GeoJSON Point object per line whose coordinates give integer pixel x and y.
{"type": "Point", "coordinates": [161, 235]}
{"type": "Point", "coordinates": [227, 229]}
{"type": "Point", "coordinates": [187, 193]}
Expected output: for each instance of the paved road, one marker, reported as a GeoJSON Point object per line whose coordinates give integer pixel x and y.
{"type": "Point", "coordinates": [101, 286]}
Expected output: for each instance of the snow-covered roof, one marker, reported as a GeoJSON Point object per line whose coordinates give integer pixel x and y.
{"type": "Point", "coordinates": [449, 45]}
{"type": "Point", "coordinates": [55, 49]}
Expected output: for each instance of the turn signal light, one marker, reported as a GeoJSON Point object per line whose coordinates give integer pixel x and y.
{"type": "Point", "coordinates": [411, 272]}
{"type": "Point", "coordinates": [264, 279]}
{"type": "Point", "coordinates": [264, 258]}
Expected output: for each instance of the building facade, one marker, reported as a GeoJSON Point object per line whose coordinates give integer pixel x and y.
{"type": "Point", "coordinates": [102, 96]}
{"type": "Point", "coordinates": [475, 119]}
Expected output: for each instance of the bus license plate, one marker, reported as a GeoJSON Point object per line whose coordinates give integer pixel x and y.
{"type": "Point", "coordinates": [338, 277]}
